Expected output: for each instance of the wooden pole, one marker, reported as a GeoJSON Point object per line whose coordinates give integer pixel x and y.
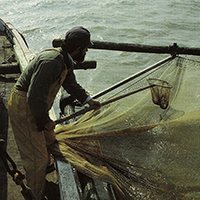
{"type": "Point", "coordinates": [83, 111]}
{"type": "Point", "coordinates": [174, 49]}
{"type": "Point", "coordinates": [9, 69]}
{"type": "Point", "coordinates": [129, 47]}
{"type": "Point", "coordinates": [132, 77]}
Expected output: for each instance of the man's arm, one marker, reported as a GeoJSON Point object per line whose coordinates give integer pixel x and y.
{"type": "Point", "coordinates": [72, 87]}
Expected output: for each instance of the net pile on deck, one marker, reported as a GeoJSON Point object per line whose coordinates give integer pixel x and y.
{"type": "Point", "coordinates": [145, 151]}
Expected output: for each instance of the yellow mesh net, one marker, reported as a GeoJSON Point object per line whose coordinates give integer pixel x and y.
{"type": "Point", "coordinates": [145, 151]}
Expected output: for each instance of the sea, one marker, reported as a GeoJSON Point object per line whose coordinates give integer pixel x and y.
{"type": "Point", "coordinates": [144, 22]}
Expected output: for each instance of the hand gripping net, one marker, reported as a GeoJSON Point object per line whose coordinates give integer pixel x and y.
{"type": "Point", "coordinates": [160, 91]}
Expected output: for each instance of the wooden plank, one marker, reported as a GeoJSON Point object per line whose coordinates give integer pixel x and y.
{"type": "Point", "coordinates": [66, 180]}
{"type": "Point", "coordinates": [67, 183]}
{"type": "Point", "coordinates": [22, 51]}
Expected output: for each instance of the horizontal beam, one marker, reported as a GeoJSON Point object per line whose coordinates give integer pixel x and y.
{"type": "Point", "coordinates": [9, 69]}
{"type": "Point", "coordinates": [174, 49]}
{"type": "Point", "coordinates": [129, 47]}
{"type": "Point", "coordinates": [86, 65]}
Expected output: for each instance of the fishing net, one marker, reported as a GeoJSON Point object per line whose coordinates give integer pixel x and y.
{"type": "Point", "coordinates": [146, 151]}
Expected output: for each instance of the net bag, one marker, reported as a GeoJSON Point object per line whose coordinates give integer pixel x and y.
{"type": "Point", "coordinates": [160, 91]}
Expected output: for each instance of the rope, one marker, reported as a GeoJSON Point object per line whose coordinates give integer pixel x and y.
{"type": "Point", "coordinates": [17, 176]}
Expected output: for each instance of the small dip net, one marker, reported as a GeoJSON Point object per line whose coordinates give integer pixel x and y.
{"type": "Point", "coordinates": [160, 92]}
{"type": "Point", "coordinates": [145, 151]}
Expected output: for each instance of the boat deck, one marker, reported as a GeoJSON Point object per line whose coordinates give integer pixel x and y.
{"type": "Point", "coordinates": [7, 58]}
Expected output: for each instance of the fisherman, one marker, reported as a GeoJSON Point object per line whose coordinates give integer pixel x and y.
{"type": "Point", "coordinates": [33, 96]}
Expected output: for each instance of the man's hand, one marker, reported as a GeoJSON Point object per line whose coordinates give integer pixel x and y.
{"type": "Point", "coordinates": [92, 102]}
{"type": "Point", "coordinates": [50, 125]}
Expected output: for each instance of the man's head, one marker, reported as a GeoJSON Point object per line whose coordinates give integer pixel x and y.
{"type": "Point", "coordinates": [76, 42]}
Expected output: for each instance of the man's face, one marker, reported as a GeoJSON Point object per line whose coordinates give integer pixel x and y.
{"type": "Point", "coordinates": [79, 57]}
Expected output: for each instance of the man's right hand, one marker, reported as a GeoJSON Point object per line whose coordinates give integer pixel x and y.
{"type": "Point", "coordinates": [92, 102]}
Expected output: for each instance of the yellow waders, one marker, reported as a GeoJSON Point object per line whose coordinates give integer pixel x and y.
{"type": "Point", "coordinates": [32, 144]}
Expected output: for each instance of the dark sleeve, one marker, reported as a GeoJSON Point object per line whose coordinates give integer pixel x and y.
{"type": "Point", "coordinates": [72, 87]}
{"type": "Point", "coordinates": [46, 73]}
